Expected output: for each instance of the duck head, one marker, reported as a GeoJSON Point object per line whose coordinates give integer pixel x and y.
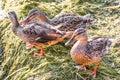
{"type": "Point", "coordinates": [35, 14]}
{"type": "Point", "coordinates": [79, 34]}
{"type": "Point", "coordinates": [88, 20]}
{"type": "Point", "coordinates": [12, 16]}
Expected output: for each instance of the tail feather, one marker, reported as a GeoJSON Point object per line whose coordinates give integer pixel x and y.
{"type": "Point", "coordinates": [110, 42]}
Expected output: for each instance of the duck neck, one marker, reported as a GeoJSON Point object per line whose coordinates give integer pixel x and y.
{"type": "Point", "coordinates": [43, 18]}
{"type": "Point", "coordinates": [15, 24]}
{"type": "Point", "coordinates": [79, 46]}
{"type": "Point", "coordinates": [83, 41]}
{"type": "Point", "coordinates": [15, 21]}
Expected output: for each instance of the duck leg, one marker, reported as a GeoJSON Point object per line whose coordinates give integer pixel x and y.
{"type": "Point", "coordinates": [29, 46]}
{"type": "Point", "coordinates": [40, 53]}
{"type": "Point", "coordinates": [93, 72]}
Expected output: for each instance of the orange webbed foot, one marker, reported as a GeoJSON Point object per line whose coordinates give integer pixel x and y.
{"type": "Point", "coordinates": [29, 46]}
{"type": "Point", "coordinates": [38, 54]}
{"type": "Point", "coordinates": [92, 73]}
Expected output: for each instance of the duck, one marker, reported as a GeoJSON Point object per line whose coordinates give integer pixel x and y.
{"type": "Point", "coordinates": [88, 51]}
{"type": "Point", "coordinates": [72, 21]}
{"type": "Point", "coordinates": [36, 33]}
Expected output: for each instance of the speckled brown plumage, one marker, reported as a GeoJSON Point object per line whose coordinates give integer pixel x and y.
{"type": "Point", "coordinates": [72, 21]}
{"type": "Point", "coordinates": [86, 52]}
{"type": "Point", "coordinates": [36, 33]}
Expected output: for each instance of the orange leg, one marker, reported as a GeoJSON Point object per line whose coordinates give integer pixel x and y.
{"type": "Point", "coordinates": [41, 53]}
{"type": "Point", "coordinates": [29, 46]}
{"type": "Point", "coordinates": [83, 67]}
{"type": "Point", "coordinates": [93, 72]}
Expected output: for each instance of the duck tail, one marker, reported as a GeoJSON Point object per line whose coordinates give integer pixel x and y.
{"type": "Point", "coordinates": [110, 42]}
{"type": "Point", "coordinates": [86, 16]}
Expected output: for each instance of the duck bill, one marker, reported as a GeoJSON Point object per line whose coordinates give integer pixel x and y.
{"type": "Point", "coordinates": [70, 41]}
{"type": "Point", "coordinates": [26, 20]}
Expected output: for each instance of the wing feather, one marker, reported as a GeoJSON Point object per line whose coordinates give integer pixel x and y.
{"type": "Point", "coordinates": [41, 33]}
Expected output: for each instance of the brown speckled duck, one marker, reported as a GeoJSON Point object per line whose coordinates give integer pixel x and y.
{"type": "Point", "coordinates": [37, 34]}
{"type": "Point", "coordinates": [72, 21]}
{"type": "Point", "coordinates": [86, 52]}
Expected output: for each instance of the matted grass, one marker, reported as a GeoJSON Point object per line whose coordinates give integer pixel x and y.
{"type": "Point", "coordinates": [19, 64]}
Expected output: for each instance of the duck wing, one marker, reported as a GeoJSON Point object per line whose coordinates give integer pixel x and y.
{"type": "Point", "coordinates": [63, 15]}
{"type": "Point", "coordinates": [39, 32]}
{"type": "Point", "coordinates": [70, 21]}
{"type": "Point", "coordinates": [97, 46]}
{"type": "Point", "coordinates": [73, 22]}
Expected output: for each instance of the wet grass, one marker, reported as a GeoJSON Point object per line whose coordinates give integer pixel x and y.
{"type": "Point", "coordinates": [19, 64]}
